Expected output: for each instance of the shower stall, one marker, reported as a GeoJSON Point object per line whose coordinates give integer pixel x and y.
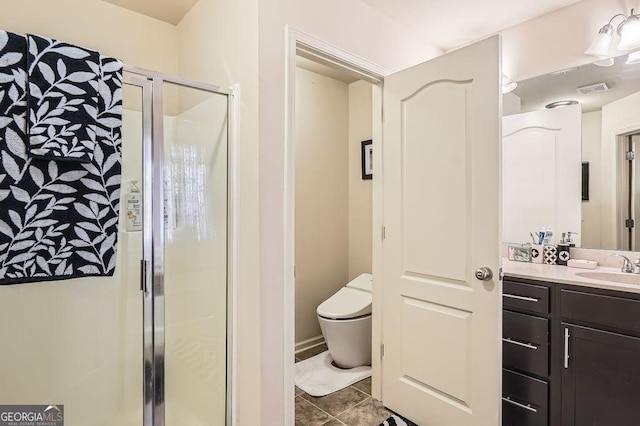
{"type": "Point", "coordinates": [150, 345]}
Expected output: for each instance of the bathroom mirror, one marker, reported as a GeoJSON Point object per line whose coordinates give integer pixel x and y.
{"type": "Point", "coordinates": [572, 167]}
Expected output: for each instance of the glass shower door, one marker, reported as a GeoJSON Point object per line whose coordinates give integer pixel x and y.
{"type": "Point", "coordinates": [147, 346]}
{"type": "Point", "coordinates": [79, 342]}
{"type": "Point", "coordinates": [195, 256]}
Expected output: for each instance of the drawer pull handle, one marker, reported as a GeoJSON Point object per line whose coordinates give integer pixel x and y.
{"type": "Point", "coordinates": [514, 296]}
{"type": "Point", "coordinates": [514, 342]}
{"type": "Point", "coordinates": [517, 404]}
{"type": "Point", "coordinates": [566, 348]}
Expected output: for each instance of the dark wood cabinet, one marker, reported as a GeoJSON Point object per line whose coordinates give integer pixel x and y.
{"type": "Point", "coordinates": [601, 378]}
{"type": "Point", "coordinates": [571, 355]}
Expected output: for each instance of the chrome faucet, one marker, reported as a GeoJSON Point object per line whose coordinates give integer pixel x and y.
{"type": "Point", "coordinates": [626, 264]}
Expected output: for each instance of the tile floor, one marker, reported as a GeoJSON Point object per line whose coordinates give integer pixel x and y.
{"type": "Point", "coordinates": [351, 406]}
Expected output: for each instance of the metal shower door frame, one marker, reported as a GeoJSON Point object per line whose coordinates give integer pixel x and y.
{"type": "Point", "coordinates": [147, 247]}
{"type": "Point", "coordinates": [152, 263]}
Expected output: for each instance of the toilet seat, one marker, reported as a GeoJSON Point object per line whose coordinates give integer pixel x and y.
{"type": "Point", "coordinates": [347, 303]}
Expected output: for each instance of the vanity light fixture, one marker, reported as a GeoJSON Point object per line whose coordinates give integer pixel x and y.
{"type": "Point", "coordinates": [628, 30]}
{"type": "Point", "coordinates": [558, 104]}
{"type": "Point", "coordinates": [508, 86]}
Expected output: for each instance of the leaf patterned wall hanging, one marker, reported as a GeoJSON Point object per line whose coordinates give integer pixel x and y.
{"type": "Point", "coordinates": [58, 219]}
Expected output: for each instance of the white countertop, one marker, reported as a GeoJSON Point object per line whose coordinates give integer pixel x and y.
{"type": "Point", "coordinates": [566, 275]}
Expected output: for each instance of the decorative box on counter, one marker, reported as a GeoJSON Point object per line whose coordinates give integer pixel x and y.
{"type": "Point", "coordinates": [520, 253]}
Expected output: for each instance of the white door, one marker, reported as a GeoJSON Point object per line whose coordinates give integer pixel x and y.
{"type": "Point", "coordinates": [441, 325]}
{"type": "Point", "coordinates": [542, 173]}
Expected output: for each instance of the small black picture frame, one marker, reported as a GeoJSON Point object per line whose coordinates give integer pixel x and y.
{"type": "Point", "coordinates": [585, 181]}
{"type": "Point", "coordinates": [367, 159]}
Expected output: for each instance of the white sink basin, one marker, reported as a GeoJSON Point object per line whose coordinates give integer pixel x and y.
{"type": "Point", "coordinates": [611, 276]}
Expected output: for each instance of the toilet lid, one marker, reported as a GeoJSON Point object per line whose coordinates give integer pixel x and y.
{"type": "Point", "coordinates": [346, 303]}
{"type": "Point", "coordinates": [362, 282]}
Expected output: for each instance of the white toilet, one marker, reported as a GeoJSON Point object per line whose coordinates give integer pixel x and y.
{"type": "Point", "coordinates": [345, 320]}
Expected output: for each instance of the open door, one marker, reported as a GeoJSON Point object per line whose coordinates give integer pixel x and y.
{"type": "Point", "coordinates": [441, 164]}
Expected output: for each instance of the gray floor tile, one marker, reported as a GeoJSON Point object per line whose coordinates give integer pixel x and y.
{"type": "Point", "coordinates": [311, 352]}
{"type": "Point", "coordinates": [337, 402]}
{"type": "Point", "coordinates": [299, 391]}
{"type": "Point", "coordinates": [333, 422]}
{"type": "Point", "coordinates": [370, 412]}
{"type": "Point", "coordinates": [308, 415]}
{"type": "Point", "coordinates": [364, 385]}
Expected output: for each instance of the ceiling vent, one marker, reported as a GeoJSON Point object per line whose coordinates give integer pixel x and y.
{"type": "Point", "coordinates": [593, 88]}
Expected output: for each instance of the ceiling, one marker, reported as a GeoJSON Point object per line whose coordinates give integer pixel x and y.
{"type": "Point", "coordinates": [334, 72]}
{"type": "Point", "coordinates": [443, 23]}
{"type": "Point", "coordinates": [621, 79]}
{"type": "Point", "coordinates": [171, 11]}
{"type": "Point", "coordinates": [451, 23]}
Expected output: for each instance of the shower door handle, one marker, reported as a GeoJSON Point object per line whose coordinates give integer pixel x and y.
{"type": "Point", "coordinates": [143, 275]}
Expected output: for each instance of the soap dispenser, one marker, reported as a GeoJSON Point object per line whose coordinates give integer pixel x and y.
{"type": "Point", "coordinates": [564, 253]}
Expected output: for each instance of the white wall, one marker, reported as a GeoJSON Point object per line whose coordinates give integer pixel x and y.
{"type": "Point", "coordinates": [134, 38]}
{"type": "Point", "coordinates": [357, 29]}
{"type": "Point", "coordinates": [322, 195]}
{"type": "Point", "coordinates": [591, 151]}
{"type": "Point", "coordinates": [218, 44]}
{"type": "Point", "coordinates": [360, 190]}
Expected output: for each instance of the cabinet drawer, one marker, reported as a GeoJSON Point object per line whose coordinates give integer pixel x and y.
{"type": "Point", "coordinates": [525, 343]}
{"type": "Point", "coordinates": [615, 312]}
{"type": "Point", "coordinates": [529, 297]}
{"type": "Point", "coordinates": [524, 400]}
{"type": "Point", "coordinates": [525, 328]}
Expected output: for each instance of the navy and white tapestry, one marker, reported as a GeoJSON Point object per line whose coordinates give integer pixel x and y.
{"type": "Point", "coordinates": [59, 219]}
{"type": "Point", "coordinates": [62, 99]}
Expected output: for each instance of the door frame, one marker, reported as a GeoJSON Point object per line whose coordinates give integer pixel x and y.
{"type": "Point", "coordinates": [298, 42]}
{"type": "Point", "coordinates": [146, 87]}
{"type": "Point", "coordinates": [151, 84]}
{"type": "Point", "coordinates": [621, 185]}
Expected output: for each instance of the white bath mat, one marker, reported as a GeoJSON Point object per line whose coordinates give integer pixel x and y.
{"type": "Point", "coordinates": [317, 377]}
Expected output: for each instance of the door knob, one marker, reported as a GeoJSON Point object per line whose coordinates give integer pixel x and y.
{"type": "Point", "coordinates": [484, 273]}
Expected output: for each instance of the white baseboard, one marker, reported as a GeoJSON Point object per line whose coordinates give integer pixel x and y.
{"type": "Point", "coordinates": [309, 343]}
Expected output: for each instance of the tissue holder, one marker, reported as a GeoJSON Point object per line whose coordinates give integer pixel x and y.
{"type": "Point", "coordinates": [520, 253]}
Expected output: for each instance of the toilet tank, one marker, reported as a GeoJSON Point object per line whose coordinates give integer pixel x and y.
{"type": "Point", "coordinates": [363, 282]}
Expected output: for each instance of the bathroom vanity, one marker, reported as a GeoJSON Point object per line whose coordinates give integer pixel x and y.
{"type": "Point", "coordinates": [571, 346]}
